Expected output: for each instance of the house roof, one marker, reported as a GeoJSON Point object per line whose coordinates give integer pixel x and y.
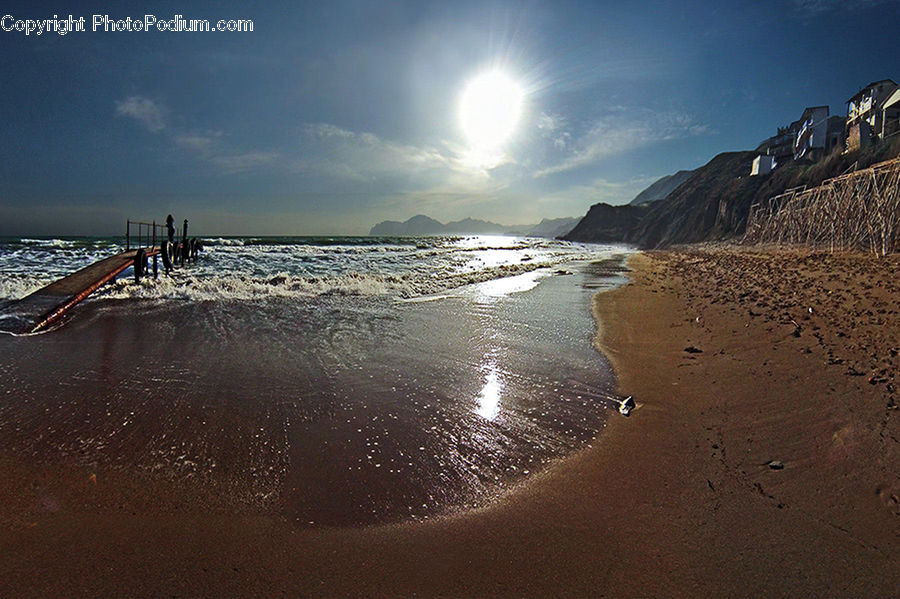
{"type": "Point", "coordinates": [870, 86]}
{"type": "Point", "coordinates": [810, 109]}
{"type": "Point", "coordinates": [893, 99]}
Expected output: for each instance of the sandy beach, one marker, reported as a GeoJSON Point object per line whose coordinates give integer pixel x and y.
{"type": "Point", "coordinates": [762, 460]}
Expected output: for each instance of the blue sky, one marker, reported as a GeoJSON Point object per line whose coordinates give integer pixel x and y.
{"type": "Point", "coordinates": [330, 117]}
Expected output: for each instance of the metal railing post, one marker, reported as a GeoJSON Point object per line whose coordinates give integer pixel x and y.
{"type": "Point", "coordinates": [149, 234]}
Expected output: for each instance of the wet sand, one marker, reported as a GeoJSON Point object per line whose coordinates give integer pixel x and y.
{"type": "Point", "coordinates": [329, 411]}
{"type": "Point", "coordinates": [733, 375]}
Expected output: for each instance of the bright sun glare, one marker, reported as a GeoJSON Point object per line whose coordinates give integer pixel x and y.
{"type": "Point", "coordinates": [489, 111]}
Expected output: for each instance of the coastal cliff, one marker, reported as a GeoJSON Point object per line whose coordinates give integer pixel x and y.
{"type": "Point", "coordinates": [607, 224]}
{"type": "Point", "coordinates": [706, 205]}
{"type": "Point", "coordinates": [715, 201]}
{"type": "Point", "coordinates": [711, 204]}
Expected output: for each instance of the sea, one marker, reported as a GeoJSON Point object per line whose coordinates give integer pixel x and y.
{"type": "Point", "coordinates": [334, 381]}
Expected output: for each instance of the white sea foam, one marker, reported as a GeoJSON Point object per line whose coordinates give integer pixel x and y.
{"type": "Point", "coordinates": [283, 285]}
{"type": "Point", "coordinates": [16, 286]}
{"type": "Point", "coordinates": [48, 243]}
{"type": "Point", "coordinates": [224, 241]}
{"type": "Point", "coordinates": [259, 268]}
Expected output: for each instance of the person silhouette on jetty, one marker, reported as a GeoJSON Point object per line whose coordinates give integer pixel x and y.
{"type": "Point", "coordinates": [170, 228]}
{"type": "Point", "coordinates": [185, 245]}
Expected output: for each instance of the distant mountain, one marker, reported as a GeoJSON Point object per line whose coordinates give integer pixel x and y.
{"type": "Point", "coordinates": [553, 227]}
{"type": "Point", "coordinates": [417, 225]}
{"type": "Point", "coordinates": [422, 226]}
{"type": "Point", "coordinates": [661, 188]}
{"type": "Point", "coordinates": [473, 226]}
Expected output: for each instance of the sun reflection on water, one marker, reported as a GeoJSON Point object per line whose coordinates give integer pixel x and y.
{"type": "Point", "coordinates": [508, 285]}
{"type": "Point", "coordinates": [489, 399]}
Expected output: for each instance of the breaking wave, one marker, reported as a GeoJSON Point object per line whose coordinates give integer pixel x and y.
{"type": "Point", "coordinates": [284, 285]}
{"type": "Point", "coordinates": [254, 268]}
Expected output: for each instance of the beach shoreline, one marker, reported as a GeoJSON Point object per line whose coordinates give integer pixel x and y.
{"type": "Point", "coordinates": [744, 471]}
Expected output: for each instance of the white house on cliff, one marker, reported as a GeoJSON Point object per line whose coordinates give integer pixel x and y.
{"type": "Point", "coordinates": [872, 113]}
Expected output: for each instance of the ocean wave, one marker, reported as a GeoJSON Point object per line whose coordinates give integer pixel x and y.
{"type": "Point", "coordinates": [236, 287]}
{"type": "Point", "coordinates": [15, 286]}
{"type": "Point", "coordinates": [284, 285]}
{"type": "Point", "coordinates": [325, 242]}
{"type": "Point", "coordinates": [257, 268]}
{"type": "Point", "coordinates": [223, 241]}
{"type": "Point", "coordinates": [63, 244]}
{"type": "Point", "coordinates": [48, 243]}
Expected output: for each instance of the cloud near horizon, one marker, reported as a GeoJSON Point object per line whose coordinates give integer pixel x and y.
{"type": "Point", "coordinates": [399, 177]}
{"type": "Point", "coordinates": [600, 190]}
{"type": "Point", "coordinates": [364, 156]}
{"type": "Point", "coordinates": [327, 150]}
{"type": "Point", "coordinates": [618, 132]}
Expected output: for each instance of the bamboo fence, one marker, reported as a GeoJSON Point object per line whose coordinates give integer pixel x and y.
{"type": "Point", "coordinates": [857, 211]}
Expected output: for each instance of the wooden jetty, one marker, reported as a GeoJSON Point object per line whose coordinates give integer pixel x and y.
{"type": "Point", "coordinates": [45, 306]}
{"type": "Point", "coordinates": [49, 304]}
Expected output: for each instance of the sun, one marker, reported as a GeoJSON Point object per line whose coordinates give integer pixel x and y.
{"type": "Point", "coordinates": [489, 110]}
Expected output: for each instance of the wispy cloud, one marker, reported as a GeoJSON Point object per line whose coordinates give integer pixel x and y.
{"type": "Point", "coordinates": [620, 131]}
{"type": "Point", "coordinates": [201, 144]}
{"type": "Point", "coordinates": [143, 110]}
{"type": "Point", "coordinates": [553, 128]}
{"type": "Point", "coordinates": [246, 161]}
{"type": "Point", "coordinates": [365, 156]}
{"type": "Point", "coordinates": [436, 180]}
{"type": "Point", "coordinates": [402, 179]}
{"type": "Point", "coordinates": [816, 7]}
{"type": "Point", "coordinates": [211, 148]}
{"type": "Point", "coordinates": [598, 190]}
{"type": "Point", "coordinates": [437, 177]}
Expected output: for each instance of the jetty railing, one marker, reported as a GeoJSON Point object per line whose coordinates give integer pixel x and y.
{"type": "Point", "coordinates": [143, 234]}
{"type": "Point", "coordinates": [858, 210]}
